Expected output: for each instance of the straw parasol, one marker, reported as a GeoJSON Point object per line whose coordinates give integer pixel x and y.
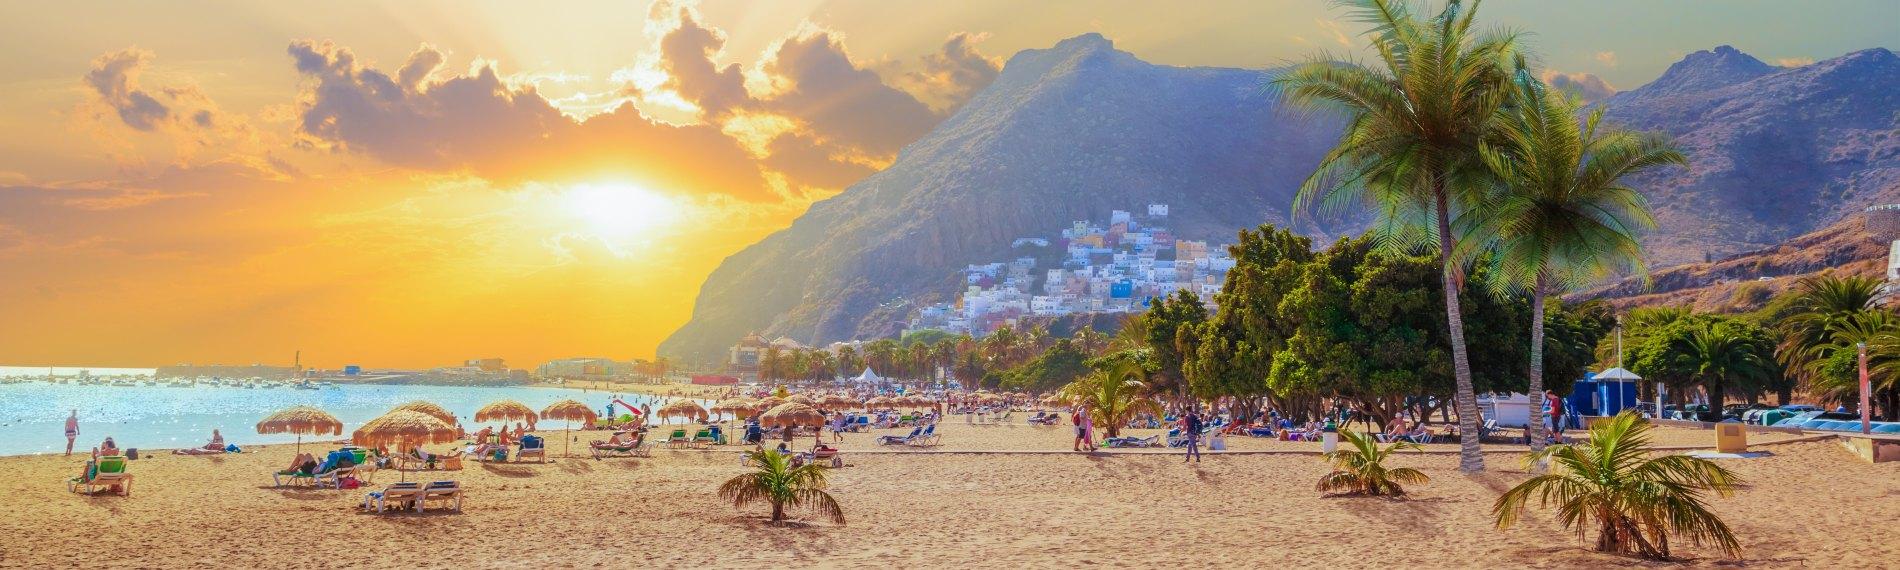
{"type": "Point", "coordinates": [839, 401]}
{"type": "Point", "coordinates": [504, 411]}
{"type": "Point", "coordinates": [428, 408]}
{"type": "Point", "coordinates": [792, 414]}
{"type": "Point", "coordinates": [683, 408]}
{"type": "Point", "coordinates": [769, 402]}
{"type": "Point", "coordinates": [801, 399]}
{"type": "Point", "coordinates": [879, 403]}
{"type": "Point", "coordinates": [738, 407]}
{"type": "Point", "coordinates": [301, 420]}
{"type": "Point", "coordinates": [568, 411]}
{"type": "Point", "coordinates": [404, 428]}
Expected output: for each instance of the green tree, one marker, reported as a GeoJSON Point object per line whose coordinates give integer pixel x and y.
{"type": "Point", "coordinates": [1719, 353]}
{"type": "Point", "coordinates": [1410, 149]}
{"type": "Point", "coordinates": [1634, 498]}
{"type": "Point", "coordinates": [1237, 344]}
{"type": "Point", "coordinates": [1359, 468]}
{"type": "Point", "coordinates": [1821, 307]}
{"type": "Point", "coordinates": [1170, 324]}
{"type": "Point", "coordinates": [1563, 215]}
{"type": "Point", "coordinates": [1063, 363]}
{"type": "Point", "coordinates": [774, 481]}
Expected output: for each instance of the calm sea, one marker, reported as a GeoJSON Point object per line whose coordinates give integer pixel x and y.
{"type": "Point", "coordinates": [33, 414]}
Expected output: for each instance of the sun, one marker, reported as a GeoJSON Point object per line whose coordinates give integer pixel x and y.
{"type": "Point", "coordinates": [619, 212]}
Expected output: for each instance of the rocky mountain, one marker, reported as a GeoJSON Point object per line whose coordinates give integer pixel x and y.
{"type": "Point", "coordinates": [1065, 133]}
{"type": "Point", "coordinates": [1775, 152]}
{"type": "Point", "coordinates": [1779, 155]}
{"type": "Point", "coordinates": [1746, 281]}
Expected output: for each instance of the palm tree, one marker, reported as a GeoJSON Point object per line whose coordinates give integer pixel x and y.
{"type": "Point", "coordinates": [774, 480]}
{"type": "Point", "coordinates": [1113, 396]}
{"type": "Point", "coordinates": [1823, 305]}
{"type": "Point", "coordinates": [1562, 216]}
{"type": "Point", "coordinates": [1719, 355]}
{"type": "Point", "coordinates": [1359, 468]}
{"type": "Point", "coordinates": [1410, 146]}
{"type": "Point", "coordinates": [1634, 500]}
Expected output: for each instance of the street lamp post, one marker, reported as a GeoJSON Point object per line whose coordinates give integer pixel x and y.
{"type": "Point", "coordinates": [1866, 391]}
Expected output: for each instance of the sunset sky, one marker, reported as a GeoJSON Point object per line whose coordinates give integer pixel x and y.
{"type": "Point", "coordinates": [417, 183]}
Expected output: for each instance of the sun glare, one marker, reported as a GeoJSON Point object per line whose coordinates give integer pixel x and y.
{"type": "Point", "coordinates": [619, 211]}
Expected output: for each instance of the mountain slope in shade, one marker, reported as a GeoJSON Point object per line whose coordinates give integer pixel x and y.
{"type": "Point", "coordinates": [1063, 134]}
{"type": "Point", "coordinates": [1775, 152]}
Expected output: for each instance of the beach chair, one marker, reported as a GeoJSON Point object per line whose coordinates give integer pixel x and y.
{"type": "Point", "coordinates": [860, 424]}
{"type": "Point", "coordinates": [926, 439]}
{"type": "Point", "coordinates": [1490, 427]}
{"type": "Point", "coordinates": [444, 491]}
{"type": "Point", "coordinates": [295, 477]}
{"type": "Point", "coordinates": [899, 440]}
{"type": "Point", "coordinates": [107, 472]}
{"type": "Point", "coordinates": [677, 438]}
{"type": "Point", "coordinates": [334, 477]}
{"type": "Point", "coordinates": [704, 436]}
{"type": "Point", "coordinates": [635, 449]}
{"type": "Point", "coordinates": [399, 493]}
{"type": "Point", "coordinates": [532, 445]}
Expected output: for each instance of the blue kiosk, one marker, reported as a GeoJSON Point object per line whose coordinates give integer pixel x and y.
{"type": "Point", "coordinates": [1605, 393]}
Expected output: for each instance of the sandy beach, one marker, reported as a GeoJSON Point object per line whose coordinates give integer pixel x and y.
{"type": "Point", "coordinates": [1808, 504]}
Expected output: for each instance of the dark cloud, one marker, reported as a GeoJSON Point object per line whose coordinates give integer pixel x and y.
{"type": "Point", "coordinates": [953, 74]}
{"type": "Point", "coordinates": [114, 77]}
{"type": "Point", "coordinates": [812, 164]}
{"type": "Point", "coordinates": [686, 54]}
{"type": "Point", "coordinates": [1587, 86]}
{"type": "Point", "coordinates": [840, 101]}
{"type": "Point", "coordinates": [480, 123]}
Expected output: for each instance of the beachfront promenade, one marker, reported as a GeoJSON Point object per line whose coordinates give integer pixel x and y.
{"type": "Point", "coordinates": [964, 505]}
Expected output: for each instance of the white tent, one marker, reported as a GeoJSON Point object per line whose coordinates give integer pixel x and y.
{"type": "Point", "coordinates": [868, 377]}
{"type": "Point", "coordinates": [1617, 373]}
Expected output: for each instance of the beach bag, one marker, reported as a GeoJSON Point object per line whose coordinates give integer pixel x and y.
{"type": "Point", "coordinates": [132, 453]}
{"type": "Point", "coordinates": [1217, 443]}
{"type": "Point", "coordinates": [348, 483]}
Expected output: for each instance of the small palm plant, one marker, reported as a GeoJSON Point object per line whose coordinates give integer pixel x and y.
{"type": "Point", "coordinates": [1634, 500]}
{"type": "Point", "coordinates": [1359, 468]}
{"type": "Point", "coordinates": [775, 481]}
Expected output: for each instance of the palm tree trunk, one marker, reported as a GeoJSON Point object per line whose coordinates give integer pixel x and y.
{"type": "Point", "coordinates": [1537, 366]}
{"type": "Point", "coordinates": [1470, 456]}
{"type": "Point", "coordinates": [778, 510]}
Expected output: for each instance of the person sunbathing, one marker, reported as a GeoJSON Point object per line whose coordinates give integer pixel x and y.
{"type": "Point", "coordinates": [302, 463]}
{"type": "Point", "coordinates": [106, 448]}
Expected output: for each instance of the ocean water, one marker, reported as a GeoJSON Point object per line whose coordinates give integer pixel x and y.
{"type": "Point", "coordinates": [33, 414]}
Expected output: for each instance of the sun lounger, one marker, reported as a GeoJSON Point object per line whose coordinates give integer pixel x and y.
{"type": "Point", "coordinates": [1260, 432]}
{"type": "Point", "coordinates": [444, 491]}
{"type": "Point", "coordinates": [677, 438]}
{"type": "Point", "coordinates": [897, 440]}
{"type": "Point", "coordinates": [107, 472]}
{"type": "Point", "coordinates": [636, 449]}
{"type": "Point", "coordinates": [532, 445]}
{"type": "Point", "coordinates": [1132, 441]}
{"type": "Point", "coordinates": [399, 493]}
{"type": "Point", "coordinates": [704, 436]}
{"type": "Point", "coordinates": [295, 477]}
{"type": "Point", "coordinates": [926, 439]}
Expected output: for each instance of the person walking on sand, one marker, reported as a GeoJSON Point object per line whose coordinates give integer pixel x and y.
{"type": "Point", "coordinates": [1088, 429]}
{"type": "Point", "coordinates": [72, 430]}
{"type": "Point", "coordinates": [1075, 417]}
{"type": "Point", "coordinates": [1192, 426]}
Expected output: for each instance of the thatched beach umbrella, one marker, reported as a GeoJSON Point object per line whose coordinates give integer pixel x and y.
{"type": "Point", "coordinates": [738, 407]}
{"type": "Point", "coordinates": [427, 408]}
{"type": "Point", "coordinates": [768, 403]}
{"type": "Point", "coordinates": [505, 411]}
{"type": "Point", "coordinates": [568, 411]}
{"type": "Point", "coordinates": [791, 414]}
{"type": "Point", "coordinates": [878, 403]}
{"type": "Point", "coordinates": [839, 402]}
{"type": "Point", "coordinates": [683, 408]}
{"type": "Point", "coordinates": [801, 399]}
{"type": "Point", "coordinates": [404, 429]}
{"type": "Point", "coordinates": [301, 420]}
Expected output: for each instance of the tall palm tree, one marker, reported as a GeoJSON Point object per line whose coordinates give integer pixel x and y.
{"type": "Point", "coordinates": [1634, 499]}
{"type": "Point", "coordinates": [774, 481]}
{"type": "Point", "coordinates": [1410, 146]}
{"type": "Point", "coordinates": [1823, 305]}
{"type": "Point", "coordinates": [1113, 396]}
{"type": "Point", "coordinates": [1719, 356]}
{"type": "Point", "coordinates": [1562, 215]}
